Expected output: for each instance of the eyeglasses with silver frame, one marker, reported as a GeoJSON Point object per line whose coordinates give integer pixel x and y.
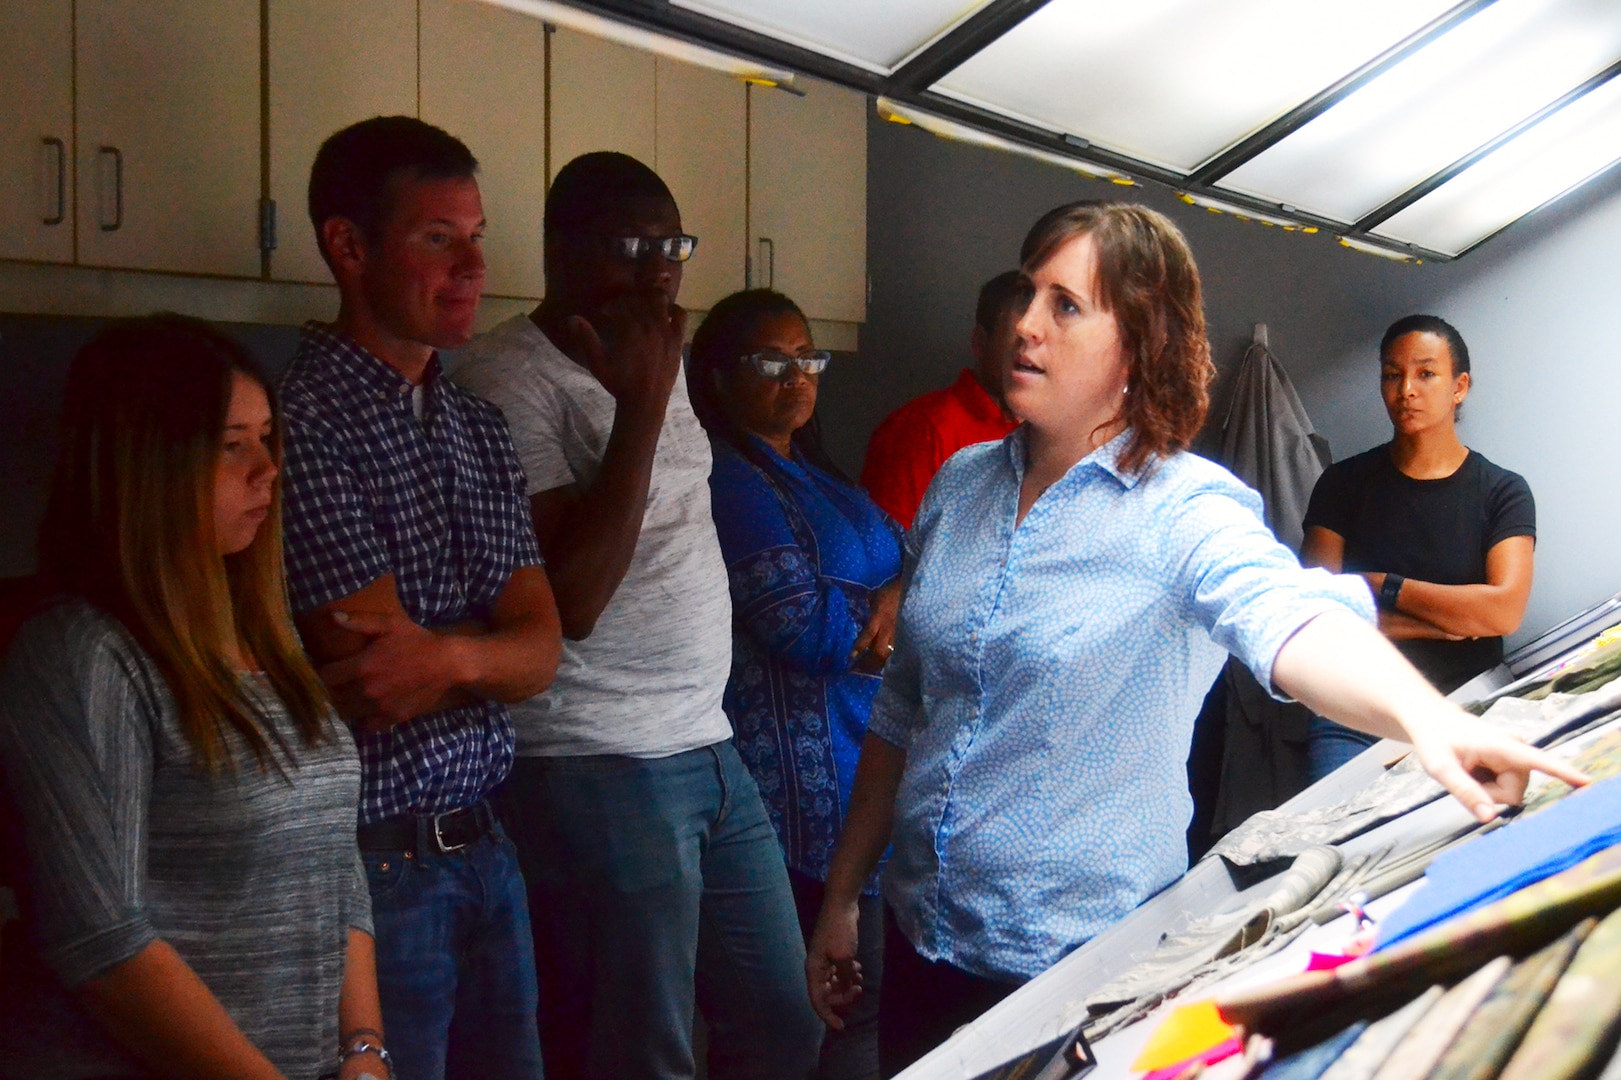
{"type": "Point", "coordinates": [771, 364]}
{"type": "Point", "coordinates": [636, 248]}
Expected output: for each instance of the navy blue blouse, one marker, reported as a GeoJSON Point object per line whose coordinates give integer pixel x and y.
{"type": "Point", "coordinates": [804, 551]}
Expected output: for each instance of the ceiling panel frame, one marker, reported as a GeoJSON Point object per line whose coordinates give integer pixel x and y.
{"type": "Point", "coordinates": [944, 56]}
{"type": "Point", "coordinates": [1313, 107]}
{"type": "Point", "coordinates": [715, 33]}
{"type": "Point", "coordinates": [1376, 217]}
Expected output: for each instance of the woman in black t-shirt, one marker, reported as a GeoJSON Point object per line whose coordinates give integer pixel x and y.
{"type": "Point", "coordinates": [1444, 537]}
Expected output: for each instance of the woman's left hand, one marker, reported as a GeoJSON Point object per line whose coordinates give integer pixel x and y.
{"type": "Point", "coordinates": [1481, 766]}
{"type": "Point", "coordinates": [877, 638]}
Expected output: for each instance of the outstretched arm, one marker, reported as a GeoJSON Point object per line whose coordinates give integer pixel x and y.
{"type": "Point", "coordinates": [1340, 667]}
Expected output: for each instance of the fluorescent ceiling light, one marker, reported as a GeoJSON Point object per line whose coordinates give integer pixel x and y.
{"type": "Point", "coordinates": [1569, 147]}
{"type": "Point", "coordinates": [1218, 206]}
{"type": "Point", "coordinates": [877, 36]}
{"type": "Point", "coordinates": [950, 129]}
{"type": "Point", "coordinates": [1175, 82]}
{"type": "Point", "coordinates": [1376, 249]}
{"type": "Point", "coordinates": [1452, 96]}
{"type": "Point", "coordinates": [636, 38]}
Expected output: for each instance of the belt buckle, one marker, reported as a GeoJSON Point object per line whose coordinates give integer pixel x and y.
{"type": "Point", "coordinates": [439, 837]}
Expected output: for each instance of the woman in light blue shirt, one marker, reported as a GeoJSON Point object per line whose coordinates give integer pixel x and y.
{"type": "Point", "coordinates": [1070, 594]}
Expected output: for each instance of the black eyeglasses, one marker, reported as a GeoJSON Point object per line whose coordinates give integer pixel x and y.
{"type": "Point", "coordinates": [774, 365]}
{"type": "Point", "coordinates": [637, 248]}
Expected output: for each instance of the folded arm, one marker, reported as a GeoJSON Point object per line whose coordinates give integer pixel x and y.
{"type": "Point", "coordinates": [383, 669]}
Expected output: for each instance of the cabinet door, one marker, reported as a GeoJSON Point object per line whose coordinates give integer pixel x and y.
{"type": "Point", "coordinates": [332, 62]}
{"type": "Point", "coordinates": [168, 135]}
{"type": "Point", "coordinates": [484, 81]}
{"type": "Point", "coordinates": [700, 152]}
{"type": "Point", "coordinates": [602, 99]}
{"type": "Point", "coordinates": [808, 197]}
{"type": "Point", "coordinates": [36, 130]}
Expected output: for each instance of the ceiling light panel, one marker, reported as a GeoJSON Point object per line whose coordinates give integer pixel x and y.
{"type": "Point", "coordinates": [876, 36]}
{"type": "Point", "coordinates": [1573, 145]}
{"type": "Point", "coordinates": [1451, 97]}
{"type": "Point", "coordinates": [1174, 82]}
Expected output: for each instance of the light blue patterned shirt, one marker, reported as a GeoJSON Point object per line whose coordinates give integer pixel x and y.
{"type": "Point", "coordinates": [1044, 686]}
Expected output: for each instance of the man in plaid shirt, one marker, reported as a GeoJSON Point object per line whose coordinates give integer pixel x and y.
{"type": "Point", "coordinates": [417, 582]}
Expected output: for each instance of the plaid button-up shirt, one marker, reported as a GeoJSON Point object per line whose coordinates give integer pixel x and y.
{"type": "Point", "coordinates": [369, 490]}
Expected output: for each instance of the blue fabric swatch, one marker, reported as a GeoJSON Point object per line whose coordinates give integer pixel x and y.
{"type": "Point", "coordinates": [1314, 1061]}
{"type": "Point", "coordinates": [1521, 853]}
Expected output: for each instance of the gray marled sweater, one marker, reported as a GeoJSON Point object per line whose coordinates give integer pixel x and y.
{"type": "Point", "coordinates": [252, 876]}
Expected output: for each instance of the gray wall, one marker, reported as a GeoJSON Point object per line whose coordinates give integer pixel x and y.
{"type": "Point", "coordinates": [1538, 305]}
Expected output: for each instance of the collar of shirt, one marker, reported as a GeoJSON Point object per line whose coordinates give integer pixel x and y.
{"type": "Point", "coordinates": [353, 363]}
{"type": "Point", "coordinates": [1105, 458]}
{"type": "Point", "coordinates": [974, 399]}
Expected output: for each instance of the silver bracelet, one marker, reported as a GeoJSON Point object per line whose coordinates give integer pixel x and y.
{"type": "Point", "coordinates": [366, 1046]}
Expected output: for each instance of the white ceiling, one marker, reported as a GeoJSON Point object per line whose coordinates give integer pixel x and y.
{"type": "Point", "coordinates": [1175, 84]}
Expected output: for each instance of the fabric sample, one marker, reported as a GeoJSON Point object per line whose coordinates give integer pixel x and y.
{"type": "Point", "coordinates": [1313, 1062]}
{"type": "Point", "coordinates": [1374, 1046]}
{"type": "Point", "coordinates": [1579, 1024]}
{"type": "Point", "coordinates": [1423, 1046]}
{"type": "Point", "coordinates": [1523, 921]}
{"type": "Point", "coordinates": [1490, 1037]}
{"type": "Point", "coordinates": [1046, 675]}
{"type": "Point", "coordinates": [1521, 853]}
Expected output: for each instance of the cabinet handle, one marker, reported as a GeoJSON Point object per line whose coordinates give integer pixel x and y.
{"type": "Point", "coordinates": [767, 262]}
{"type": "Point", "coordinates": [61, 180]}
{"type": "Point", "coordinates": [118, 189]}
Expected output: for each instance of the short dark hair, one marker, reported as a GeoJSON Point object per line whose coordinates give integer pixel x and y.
{"type": "Point", "coordinates": [996, 299]}
{"type": "Point", "coordinates": [357, 170]}
{"type": "Point", "coordinates": [593, 182]}
{"type": "Point", "coordinates": [1427, 324]}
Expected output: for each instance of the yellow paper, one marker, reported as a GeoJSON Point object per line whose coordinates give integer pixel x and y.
{"type": "Point", "coordinates": [1189, 1031]}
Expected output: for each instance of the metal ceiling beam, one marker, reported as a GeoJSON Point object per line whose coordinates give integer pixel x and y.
{"type": "Point", "coordinates": [959, 44]}
{"type": "Point", "coordinates": [1313, 107]}
{"type": "Point", "coordinates": [1407, 198]}
{"type": "Point", "coordinates": [666, 18]}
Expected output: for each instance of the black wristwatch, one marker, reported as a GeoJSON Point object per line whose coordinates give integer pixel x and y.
{"type": "Point", "coordinates": [1390, 590]}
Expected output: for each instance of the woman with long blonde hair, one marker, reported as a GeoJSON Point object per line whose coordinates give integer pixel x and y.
{"type": "Point", "coordinates": [193, 900]}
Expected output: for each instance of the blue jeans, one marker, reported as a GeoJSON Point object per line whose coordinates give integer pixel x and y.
{"type": "Point", "coordinates": [455, 962]}
{"type": "Point", "coordinates": [655, 884]}
{"type": "Point", "coordinates": [1331, 746]}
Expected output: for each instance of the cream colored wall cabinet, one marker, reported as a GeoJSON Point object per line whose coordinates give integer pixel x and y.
{"type": "Point", "coordinates": [496, 104]}
{"type": "Point", "coordinates": [602, 98]}
{"type": "Point", "coordinates": [808, 197]}
{"type": "Point", "coordinates": [700, 152]}
{"type": "Point", "coordinates": [168, 135]}
{"type": "Point", "coordinates": [331, 62]}
{"type": "Point", "coordinates": [36, 130]}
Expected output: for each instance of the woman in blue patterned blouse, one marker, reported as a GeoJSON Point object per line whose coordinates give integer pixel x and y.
{"type": "Point", "coordinates": [814, 566]}
{"type": "Point", "coordinates": [1070, 593]}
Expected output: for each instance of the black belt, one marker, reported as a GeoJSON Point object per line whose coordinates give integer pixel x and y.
{"type": "Point", "coordinates": [437, 833]}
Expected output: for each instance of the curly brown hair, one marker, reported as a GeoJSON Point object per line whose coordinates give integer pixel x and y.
{"type": "Point", "coordinates": [1147, 279]}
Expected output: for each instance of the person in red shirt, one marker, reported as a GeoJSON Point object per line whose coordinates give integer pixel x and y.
{"type": "Point", "coordinates": [912, 443]}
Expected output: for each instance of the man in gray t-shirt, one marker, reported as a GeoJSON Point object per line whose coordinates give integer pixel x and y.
{"type": "Point", "coordinates": [642, 837]}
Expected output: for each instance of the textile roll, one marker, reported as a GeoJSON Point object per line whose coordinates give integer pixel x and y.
{"type": "Point", "coordinates": [1515, 925]}
{"type": "Point", "coordinates": [1577, 1028]}
{"type": "Point", "coordinates": [1423, 1046]}
{"type": "Point", "coordinates": [1492, 1035]}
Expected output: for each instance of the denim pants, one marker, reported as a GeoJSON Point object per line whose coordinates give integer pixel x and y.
{"type": "Point", "coordinates": [655, 884]}
{"type": "Point", "coordinates": [455, 962]}
{"type": "Point", "coordinates": [1332, 745]}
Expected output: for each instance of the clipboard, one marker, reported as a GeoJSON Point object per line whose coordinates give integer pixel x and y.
{"type": "Point", "coordinates": [1064, 1058]}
